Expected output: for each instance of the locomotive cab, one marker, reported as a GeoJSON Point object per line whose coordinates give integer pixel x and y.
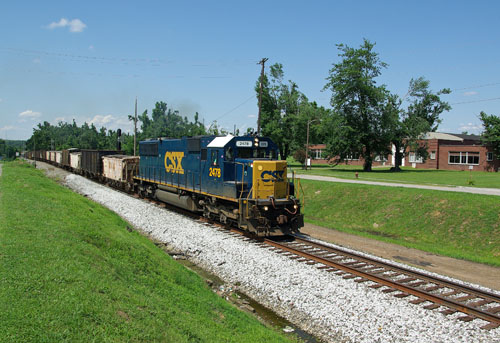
{"type": "Point", "coordinates": [251, 173]}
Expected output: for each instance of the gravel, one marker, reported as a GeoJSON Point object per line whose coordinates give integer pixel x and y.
{"type": "Point", "coordinates": [326, 305]}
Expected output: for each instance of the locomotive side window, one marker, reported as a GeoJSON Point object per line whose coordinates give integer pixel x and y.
{"type": "Point", "coordinates": [229, 154]}
{"type": "Point", "coordinates": [214, 160]}
{"type": "Point", "coordinates": [203, 154]}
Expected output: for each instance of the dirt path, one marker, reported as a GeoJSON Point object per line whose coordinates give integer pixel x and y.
{"type": "Point", "coordinates": [463, 270]}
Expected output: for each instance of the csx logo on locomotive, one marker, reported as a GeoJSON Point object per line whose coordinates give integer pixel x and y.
{"type": "Point", "coordinates": [272, 176]}
{"type": "Point", "coordinates": [173, 162]}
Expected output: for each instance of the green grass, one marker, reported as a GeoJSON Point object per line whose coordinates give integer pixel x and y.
{"type": "Point", "coordinates": [71, 272]}
{"type": "Point", "coordinates": [407, 175]}
{"type": "Point", "coordinates": [459, 225]}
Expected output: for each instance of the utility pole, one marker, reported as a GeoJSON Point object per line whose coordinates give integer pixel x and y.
{"type": "Point", "coordinates": [262, 62]}
{"type": "Point", "coordinates": [135, 127]}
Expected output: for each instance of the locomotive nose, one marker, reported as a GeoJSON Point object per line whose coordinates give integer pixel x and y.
{"type": "Point", "coordinates": [270, 179]}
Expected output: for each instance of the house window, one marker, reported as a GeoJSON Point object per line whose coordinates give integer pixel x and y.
{"type": "Point", "coordinates": [353, 157]}
{"type": "Point", "coordinates": [489, 156]}
{"type": "Point", "coordinates": [472, 158]}
{"type": "Point", "coordinates": [463, 158]}
{"type": "Point", "coordinates": [433, 155]}
{"type": "Point", "coordinates": [414, 158]}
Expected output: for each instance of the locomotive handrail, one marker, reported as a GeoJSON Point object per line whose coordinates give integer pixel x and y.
{"type": "Point", "coordinates": [303, 194]}
{"type": "Point", "coordinates": [242, 176]}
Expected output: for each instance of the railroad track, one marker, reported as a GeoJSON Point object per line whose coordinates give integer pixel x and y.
{"type": "Point", "coordinates": [437, 292]}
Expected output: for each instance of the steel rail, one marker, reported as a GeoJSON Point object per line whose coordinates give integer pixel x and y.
{"type": "Point", "coordinates": [389, 283]}
{"type": "Point", "coordinates": [434, 279]}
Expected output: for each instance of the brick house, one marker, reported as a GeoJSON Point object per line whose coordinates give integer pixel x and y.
{"type": "Point", "coordinates": [447, 151]}
{"type": "Point", "coordinates": [455, 152]}
{"type": "Point", "coordinates": [317, 153]}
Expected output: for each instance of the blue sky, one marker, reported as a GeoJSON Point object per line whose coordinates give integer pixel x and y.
{"type": "Point", "coordinates": [88, 60]}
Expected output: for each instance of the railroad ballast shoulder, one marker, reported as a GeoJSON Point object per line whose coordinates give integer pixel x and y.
{"type": "Point", "coordinates": [235, 180]}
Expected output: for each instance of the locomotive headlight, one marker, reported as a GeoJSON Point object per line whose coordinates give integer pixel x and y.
{"type": "Point", "coordinates": [256, 142]}
{"type": "Point", "coordinates": [265, 208]}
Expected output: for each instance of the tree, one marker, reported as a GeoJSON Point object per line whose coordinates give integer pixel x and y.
{"type": "Point", "coordinates": [280, 108]}
{"type": "Point", "coordinates": [420, 117]}
{"type": "Point", "coordinates": [491, 133]}
{"type": "Point", "coordinates": [358, 124]}
{"type": "Point", "coordinates": [166, 122]}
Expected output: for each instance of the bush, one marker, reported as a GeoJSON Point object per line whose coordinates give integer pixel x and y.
{"type": "Point", "coordinates": [300, 156]}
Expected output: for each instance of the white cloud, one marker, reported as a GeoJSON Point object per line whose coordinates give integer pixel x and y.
{"type": "Point", "coordinates": [252, 116]}
{"type": "Point", "coordinates": [7, 128]}
{"type": "Point", "coordinates": [99, 120]}
{"type": "Point", "coordinates": [470, 127]}
{"type": "Point", "coordinates": [470, 93]}
{"type": "Point", "coordinates": [62, 23]}
{"type": "Point", "coordinates": [58, 119]}
{"type": "Point", "coordinates": [30, 114]}
{"type": "Point", "coordinates": [74, 25]}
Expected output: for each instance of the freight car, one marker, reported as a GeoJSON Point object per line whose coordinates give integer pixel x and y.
{"type": "Point", "coordinates": [91, 162]}
{"type": "Point", "coordinates": [235, 180]}
{"type": "Point", "coordinates": [119, 170]}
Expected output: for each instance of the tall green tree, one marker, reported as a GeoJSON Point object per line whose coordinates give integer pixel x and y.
{"type": "Point", "coordinates": [280, 107]}
{"type": "Point", "coordinates": [359, 123]}
{"type": "Point", "coordinates": [166, 122]}
{"type": "Point", "coordinates": [420, 117]}
{"type": "Point", "coordinates": [491, 133]}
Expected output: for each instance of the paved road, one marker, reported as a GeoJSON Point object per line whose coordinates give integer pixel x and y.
{"type": "Point", "coordinates": [486, 191]}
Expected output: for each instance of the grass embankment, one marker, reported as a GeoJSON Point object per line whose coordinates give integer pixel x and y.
{"type": "Point", "coordinates": [407, 175]}
{"type": "Point", "coordinates": [70, 271]}
{"type": "Point", "coordinates": [458, 225]}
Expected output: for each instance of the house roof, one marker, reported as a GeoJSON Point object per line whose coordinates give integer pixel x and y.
{"type": "Point", "coordinates": [468, 137]}
{"type": "Point", "coordinates": [317, 146]}
{"type": "Point", "coordinates": [443, 136]}
{"type": "Point", "coordinates": [451, 136]}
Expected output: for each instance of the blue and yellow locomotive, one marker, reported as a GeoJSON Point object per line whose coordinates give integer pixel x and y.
{"type": "Point", "coordinates": [235, 180]}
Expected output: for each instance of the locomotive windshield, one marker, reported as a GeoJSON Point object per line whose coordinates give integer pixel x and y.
{"type": "Point", "coordinates": [255, 153]}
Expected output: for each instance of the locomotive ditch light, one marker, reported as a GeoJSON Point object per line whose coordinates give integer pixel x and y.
{"type": "Point", "coordinates": [265, 208]}
{"type": "Point", "coordinates": [295, 206]}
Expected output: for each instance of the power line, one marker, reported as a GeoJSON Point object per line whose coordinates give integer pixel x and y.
{"type": "Point", "coordinates": [231, 110]}
{"type": "Point", "coordinates": [472, 101]}
{"type": "Point", "coordinates": [153, 61]}
{"type": "Point", "coordinates": [478, 86]}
